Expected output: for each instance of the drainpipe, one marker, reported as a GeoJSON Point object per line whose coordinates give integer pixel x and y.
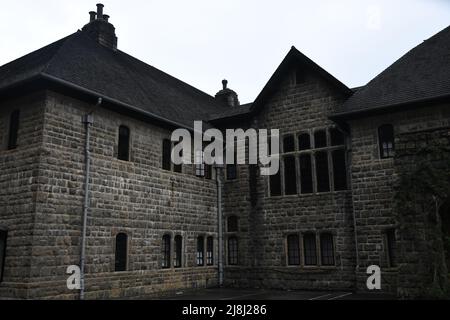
{"type": "Point", "coordinates": [87, 120]}
{"type": "Point", "coordinates": [219, 171]}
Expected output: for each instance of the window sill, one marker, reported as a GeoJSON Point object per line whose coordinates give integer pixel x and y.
{"type": "Point", "coordinates": [303, 195]}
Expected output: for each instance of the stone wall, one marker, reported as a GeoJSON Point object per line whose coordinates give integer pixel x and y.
{"type": "Point", "coordinates": [135, 197]}
{"type": "Point", "coordinates": [293, 108]}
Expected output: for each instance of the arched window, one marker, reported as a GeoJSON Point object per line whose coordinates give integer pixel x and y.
{"type": "Point", "coordinates": [200, 251]}
{"type": "Point", "coordinates": [386, 141]}
{"type": "Point", "coordinates": [121, 252]}
{"type": "Point", "coordinates": [293, 250]}
{"type": "Point", "coordinates": [233, 251]}
{"type": "Point", "coordinates": [210, 251]}
{"type": "Point", "coordinates": [124, 144]}
{"type": "Point", "coordinates": [327, 249]}
{"type": "Point", "coordinates": [232, 224]}
{"type": "Point", "coordinates": [3, 235]}
{"type": "Point", "coordinates": [13, 129]}
{"type": "Point", "coordinates": [165, 250]}
{"type": "Point", "coordinates": [177, 263]}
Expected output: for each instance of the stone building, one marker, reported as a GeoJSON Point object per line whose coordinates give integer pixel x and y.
{"type": "Point", "coordinates": [348, 194]}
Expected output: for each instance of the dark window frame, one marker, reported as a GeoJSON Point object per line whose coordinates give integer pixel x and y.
{"type": "Point", "coordinates": [233, 251]}
{"type": "Point", "coordinates": [166, 155]}
{"type": "Point", "coordinates": [124, 143]}
{"type": "Point", "coordinates": [386, 141]}
{"type": "Point", "coordinates": [293, 250]}
{"type": "Point", "coordinates": [391, 246]}
{"type": "Point", "coordinates": [290, 175]}
{"type": "Point", "coordinates": [121, 252]}
{"type": "Point", "coordinates": [310, 250]}
{"type": "Point", "coordinates": [166, 251]}
{"type": "Point", "coordinates": [13, 132]}
{"type": "Point", "coordinates": [210, 251]}
{"type": "Point", "coordinates": [178, 252]}
{"type": "Point", "coordinates": [327, 250]}
{"type": "Point", "coordinates": [322, 172]}
{"type": "Point", "coordinates": [303, 143]}
{"type": "Point", "coordinates": [200, 251]}
{"type": "Point", "coordinates": [4, 239]}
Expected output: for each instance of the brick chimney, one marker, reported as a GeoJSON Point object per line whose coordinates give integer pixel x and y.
{"type": "Point", "coordinates": [100, 29]}
{"type": "Point", "coordinates": [228, 96]}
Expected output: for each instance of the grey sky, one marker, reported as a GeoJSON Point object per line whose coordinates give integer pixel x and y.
{"type": "Point", "coordinates": [204, 41]}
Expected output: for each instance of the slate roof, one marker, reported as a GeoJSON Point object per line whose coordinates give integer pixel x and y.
{"type": "Point", "coordinates": [422, 74]}
{"type": "Point", "coordinates": [78, 60]}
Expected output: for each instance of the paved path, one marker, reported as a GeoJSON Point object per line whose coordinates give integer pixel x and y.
{"type": "Point", "coordinates": [256, 294]}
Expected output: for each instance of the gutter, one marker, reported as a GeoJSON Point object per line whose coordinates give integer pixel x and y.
{"type": "Point", "coordinates": [219, 172]}
{"type": "Point", "coordinates": [87, 120]}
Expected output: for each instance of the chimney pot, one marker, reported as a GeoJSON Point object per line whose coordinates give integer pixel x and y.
{"type": "Point", "coordinates": [100, 11]}
{"type": "Point", "coordinates": [225, 84]}
{"type": "Point", "coordinates": [92, 15]}
{"type": "Point", "coordinates": [105, 17]}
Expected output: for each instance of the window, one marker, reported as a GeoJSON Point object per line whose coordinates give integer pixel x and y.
{"type": "Point", "coordinates": [288, 144]}
{"type": "Point", "coordinates": [293, 250]}
{"type": "Point", "coordinates": [200, 251]}
{"type": "Point", "coordinates": [391, 246]}
{"type": "Point", "coordinates": [337, 137]}
{"type": "Point", "coordinates": [167, 154]}
{"type": "Point", "coordinates": [339, 170]}
{"type": "Point", "coordinates": [199, 164]}
{"type": "Point", "coordinates": [320, 139]}
{"type": "Point", "coordinates": [121, 252]}
{"type": "Point", "coordinates": [306, 179]}
{"type": "Point", "coordinates": [253, 183]}
{"type": "Point", "coordinates": [290, 176]}
{"type": "Point", "coordinates": [232, 224]}
{"type": "Point", "coordinates": [210, 251]}
{"type": "Point", "coordinates": [322, 173]}
{"type": "Point", "coordinates": [3, 235]}
{"type": "Point", "coordinates": [275, 184]}
{"type": "Point", "coordinates": [327, 249]}
{"type": "Point", "coordinates": [178, 260]}
{"type": "Point", "coordinates": [233, 251]}
{"type": "Point", "coordinates": [208, 171]}
{"type": "Point", "coordinates": [304, 142]}
{"type": "Point", "coordinates": [13, 130]}
{"type": "Point", "coordinates": [165, 250]}
{"type": "Point", "coordinates": [386, 141]}
{"type": "Point", "coordinates": [309, 243]}
{"type": "Point", "coordinates": [124, 144]}
{"type": "Point", "coordinates": [231, 171]}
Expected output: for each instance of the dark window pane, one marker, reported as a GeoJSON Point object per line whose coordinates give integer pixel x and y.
{"type": "Point", "coordinates": [232, 224]}
{"type": "Point", "coordinates": [253, 181]}
{"type": "Point", "coordinates": [233, 251]}
{"type": "Point", "coordinates": [3, 236]}
{"type": "Point", "coordinates": [339, 170]}
{"type": "Point", "coordinates": [208, 171]}
{"type": "Point", "coordinates": [337, 137]}
{"type": "Point", "coordinates": [165, 250]}
{"type": "Point", "coordinates": [306, 174]}
{"type": "Point", "coordinates": [290, 176]}
{"type": "Point", "coordinates": [322, 173]}
{"type": "Point", "coordinates": [231, 172]}
{"type": "Point", "coordinates": [13, 129]}
{"type": "Point", "coordinates": [327, 249]}
{"type": "Point", "coordinates": [304, 142]}
{"type": "Point", "coordinates": [320, 139]}
{"type": "Point", "coordinates": [386, 141]}
{"type": "Point", "coordinates": [288, 144]}
{"type": "Point", "coordinates": [210, 251]}
{"type": "Point", "coordinates": [391, 247]}
{"type": "Point", "coordinates": [124, 144]}
{"type": "Point", "coordinates": [309, 243]}
{"type": "Point", "coordinates": [167, 155]}
{"type": "Point", "coordinates": [200, 251]}
{"type": "Point", "coordinates": [293, 250]}
{"type": "Point", "coordinates": [275, 184]}
{"type": "Point", "coordinates": [177, 263]}
{"type": "Point", "coordinates": [121, 252]}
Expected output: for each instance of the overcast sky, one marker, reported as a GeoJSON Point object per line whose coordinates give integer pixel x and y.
{"type": "Point", "coordinates": [204, 41]}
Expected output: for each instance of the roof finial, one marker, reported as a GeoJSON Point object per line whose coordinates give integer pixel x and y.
{"type": "Point", "coordinates": [225, 84]}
